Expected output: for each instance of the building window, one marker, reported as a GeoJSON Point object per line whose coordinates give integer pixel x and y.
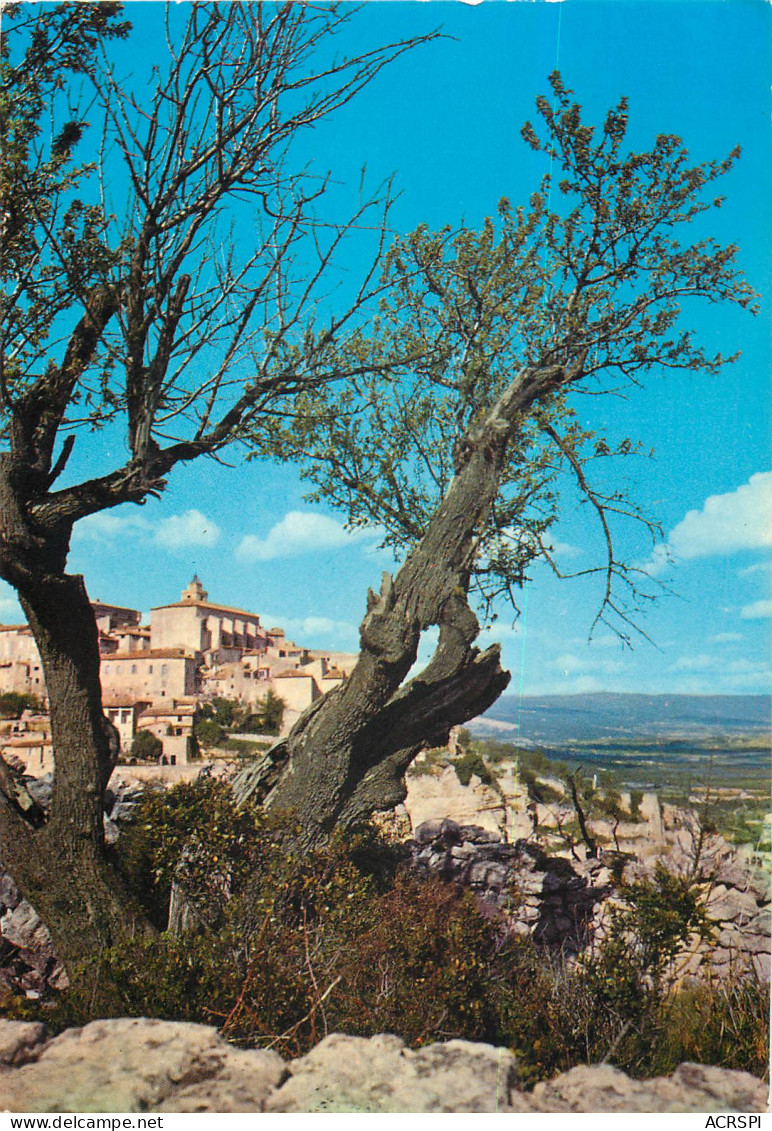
{"type": "Point", "coordinates": [150, 669]}
{"type": "Point", "coordinates": [133, 669]}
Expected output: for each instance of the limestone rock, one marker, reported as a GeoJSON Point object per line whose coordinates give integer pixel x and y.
{"type": "Point", "coordinates": [24, 928]}
{"type": "Point", "coordinates": [357, 1074]}
{"type": "Point", "coordinates": [9, 893]}
{"type": "Point", "coordinates": [135, 1065]}
{"type": "Point", "coordinates": [431, 798]}
{"type": "Point", "coordinates": [142, 1065]}
{"type": "Point", "coordinates": [692, 1087]}
{"type": "Point", "coordinates": [20, 1041]}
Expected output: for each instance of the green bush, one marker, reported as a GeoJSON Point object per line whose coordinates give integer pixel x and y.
{"type": "Point", "coordinates": [146, 746]}
{"type": "Point", "coordinates": [208, 733]}
{"type": "Point", "coordinates": [12, 703]}
{"type": "Point", "coordinates": [191, 834]}
{"type": "Point", "coordinates": [472, 763]}
{"type": "Point", "coordinates": [636, 797]}
{"type": "Point", "coordinates": [344, 938]}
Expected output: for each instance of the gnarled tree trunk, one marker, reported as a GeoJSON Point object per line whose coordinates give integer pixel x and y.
{"type": "Point", "coordinates": [57, 857]}
{"type": "Point", "coordinates": [347, 755]}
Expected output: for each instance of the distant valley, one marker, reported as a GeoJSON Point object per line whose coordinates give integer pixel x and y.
{"type": "Point", "coordinates": [670, 743]}
{"type": "Point", "coordinates": [608, 716]}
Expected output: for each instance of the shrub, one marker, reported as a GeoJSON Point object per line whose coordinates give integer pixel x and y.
{"type": "Point", "coordinates": [12, 703]}
{"type": "Point", "coordinates": [636, 797]}
{"type": "Point", "coordinates": [146, 746]}
{"type": "Point", "coordinates": [472, 763]}
{"type": "Point", "coordinates": [343, 938]}
{"type": "Point", "coordinates": [208, 733]}
{"type": "Point", "coordinates": [192, 834]}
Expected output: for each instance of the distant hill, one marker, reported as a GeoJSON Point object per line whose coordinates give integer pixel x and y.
{"type": "Point", "coordinates": [607, 715]}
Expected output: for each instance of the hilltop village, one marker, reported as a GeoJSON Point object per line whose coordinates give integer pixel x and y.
{"type": "Point", "coordinates": [157, 677]}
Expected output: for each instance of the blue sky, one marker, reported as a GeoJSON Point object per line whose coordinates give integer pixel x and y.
{"type": "Point", "coordinates": [445, 120]}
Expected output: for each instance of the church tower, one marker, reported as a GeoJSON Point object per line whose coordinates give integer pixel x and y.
{"type": "Point", "coordinates": [195, 592]}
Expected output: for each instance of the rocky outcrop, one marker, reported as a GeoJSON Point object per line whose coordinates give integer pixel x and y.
{"type": "Point", "coordinates": [548, 897]}
{"type": "Point", "coordinates": [28, 964]}
{"type": "Point", "coordinates": [139, 1065]}
{"type": "Point", "coordinates": [565, 903]}
{"type": "Point", "coordinates": [692, 1087]}
{"type": "Point", "coordinates": [438, 794]}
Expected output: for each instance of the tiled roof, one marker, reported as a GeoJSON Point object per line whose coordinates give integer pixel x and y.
{"type": "Point", "coordinates": [150, 654]}
{"type": "Point", "coordinates": [16, 628]}
{"type": "Point", "coordinates": [116, 608]}
{"type": "Point", "coordinates": [294, 674]}
{"type": "Point", "coordinates": [208, 605]}
{"type": "Point", "coordinates": [163, 712]}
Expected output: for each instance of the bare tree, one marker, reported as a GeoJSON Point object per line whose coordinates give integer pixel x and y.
{"type": "Point", "coordinates": [171, 287]}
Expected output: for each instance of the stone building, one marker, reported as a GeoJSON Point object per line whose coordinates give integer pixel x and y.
{"type": "Point", "coordinates": [173, 724]}
{"type": "Point", "coordinates": [193, 649]}
{"type": "Point", "coordinates": [214, 633]}
{"type": "Point", "coordinates": [20, 667]}
{"type": "Point", "coordinates": [155, 675]}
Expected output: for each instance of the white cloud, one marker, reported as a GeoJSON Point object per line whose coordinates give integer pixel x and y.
{"type": "Point", "coordinates": [725, 638]}
{"type": "Point", "coordinates": [329, 631]}
{"type": "Point", "coordinates": [570, 664]}
{"type": "Point", "coordinates": [565, 550]}
{"type": "Point", "coordinates": [742, 677]}
{"type": "Point", "coordinates": [757, 609]}
{"type": "Point", "coordinates": [108, 525]}
{"type": "Point", "coordinates": [759, 567]}
{"type": "Point", "coordinates": [660, 559]}
{"type": "Point", "coordinates": [189, 529]}
{"type": "Point", "coordinates": [738, 520]}
{"type": "Point", "coordinates": [693, 663]}
{"type": "Point", "coordinates": [299, 532]}
{"type": "Point", "coordinates": [172, 533]}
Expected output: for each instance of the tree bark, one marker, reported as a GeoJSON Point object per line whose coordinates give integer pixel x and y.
{"type": "Point", "coordinates": [347, 755]}
{"type": "Point", "coordinates": [58, 858]}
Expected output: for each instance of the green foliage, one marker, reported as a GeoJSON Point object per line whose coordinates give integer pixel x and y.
{"type": "Point", "coordinates": [191, 834]}
{"type": "Point", "coordinates": [589, 274]}
{"type": "Point", "coordinates": [472, 763]}
{"type": "Point", "coordinates": [539, 791]}
{"type": "Point", "coordinates": [266, 717]}
{"type": "Point", "coordinates": [430, 763]}
{"type": "Point", "coordinates": [344, 939]}
{"type": "Point", "coordinates": [244, 747]}
{"type": "Point", "coordinates": [146, 746]}
{"type": "Point", "coordinates": [12, 703]}
{"type": "Point", "coordinates": [54, 245]}
{"type": "Point", "coordinates": [222, 711]}
{"type": "Point", "coordinates": [270, 713]}
{"type": "Point", "coordinates": [208, 733]}
{"type": "Point", "coordinates": [636, 797]}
